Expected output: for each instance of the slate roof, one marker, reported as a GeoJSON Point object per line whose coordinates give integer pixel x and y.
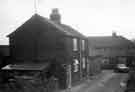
{"type": "Point", "coordinates": [72, 31]}
{"type": "Point", "coordinates": [26, 66]}
{"type": "Point", "coordinates": [67, 30]}
{"type": "Point", "coordinates": [110, 41]}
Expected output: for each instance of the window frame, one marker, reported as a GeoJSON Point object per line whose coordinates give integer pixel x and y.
{"type": "Point", "coordinates": [83, 62]}
{"type": "Point", "coordinates": [75, 65]}
{"type": "Point", "coordinates": [83, 45]}
{"type": "Point", "coordinates": [75, 44]}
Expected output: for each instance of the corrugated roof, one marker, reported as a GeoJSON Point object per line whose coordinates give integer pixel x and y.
{"type": "Point", "coordinates": [110, 41]}
{"type": "Point", "coordinates": [26, 66]}
{"type": "Point", "coordinates": [61, 27]}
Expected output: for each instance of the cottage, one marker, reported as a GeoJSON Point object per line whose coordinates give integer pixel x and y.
{"type": "Point", "coordinates": [110, 49]}
{"type": "Point", "coordinates": [41, 40]}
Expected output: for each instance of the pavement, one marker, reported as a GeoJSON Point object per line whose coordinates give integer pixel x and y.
{"type": "Point", "coordinates": [92, 83]}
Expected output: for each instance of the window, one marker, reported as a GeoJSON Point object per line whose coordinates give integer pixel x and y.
{"type": "Point", "coordinates": [75, 44]}
{"type": "Point", "coordinates": [76, 65]}
{"type": "Point", "coordinates": [83, 45]}
{"type": "Point", "coordinates": [83, 63]}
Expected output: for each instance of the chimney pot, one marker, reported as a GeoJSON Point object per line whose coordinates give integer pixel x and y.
{"type": "Point", "coordinates": [55, 16]}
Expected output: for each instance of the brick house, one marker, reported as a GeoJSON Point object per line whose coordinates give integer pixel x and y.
{"type": "Point", "coordinates": [41, 40]}
{"type": "Point", "coordinates": [111, 49]}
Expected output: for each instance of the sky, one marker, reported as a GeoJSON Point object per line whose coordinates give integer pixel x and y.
{"type": "Point", "coordinates": [90, 17]}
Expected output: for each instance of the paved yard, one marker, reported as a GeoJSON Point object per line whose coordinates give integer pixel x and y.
{"type": "Point", "coordinates": [107, 81]}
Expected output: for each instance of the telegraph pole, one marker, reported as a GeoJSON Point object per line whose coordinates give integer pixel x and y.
{"type": "Point", "coordinates": [35, 39]}
{"type": "Point", "coordinates": [35, 6]}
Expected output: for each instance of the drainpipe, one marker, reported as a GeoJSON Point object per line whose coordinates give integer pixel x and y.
{"type": "Point", "coordinates": [80, 59]}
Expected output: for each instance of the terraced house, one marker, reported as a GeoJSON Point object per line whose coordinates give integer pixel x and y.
{"type": "Point", "coordinates": [111, 49]}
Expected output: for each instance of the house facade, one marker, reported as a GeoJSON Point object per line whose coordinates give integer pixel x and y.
{"type": "Point", "coordinates": [111, 49]}
{"type": "Point", "coordinates": [41, 40]}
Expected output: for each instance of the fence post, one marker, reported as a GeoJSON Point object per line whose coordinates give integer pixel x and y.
{"type": "Point", "coordinates": [52, 85]}
{"type": "Point", "coordinates": [88, 69]}
{"type": "Point", "coordinates": [69, 78]}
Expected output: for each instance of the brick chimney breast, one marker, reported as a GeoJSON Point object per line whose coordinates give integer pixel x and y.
{"type": "Point", "coordinates": [55, 16]}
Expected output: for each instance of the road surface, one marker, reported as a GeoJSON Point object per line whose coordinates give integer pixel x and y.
{"type": "Point", "coordinates": [110, 83]}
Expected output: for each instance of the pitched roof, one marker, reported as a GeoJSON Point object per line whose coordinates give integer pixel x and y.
{"type": "Point", "coordinates": [67, 30]}
{"type": "Point", "coordinates": [110, 41]}
{"type": "Point", "coordinates": [26, 66]}
{"type": "Point", "coordinates": [72, 31]}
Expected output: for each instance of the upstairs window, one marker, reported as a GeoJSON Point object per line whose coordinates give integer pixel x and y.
{"type": "Point", "coordinates": [75, 44]}
{"type": "Point", "coordinates": [83, 45]}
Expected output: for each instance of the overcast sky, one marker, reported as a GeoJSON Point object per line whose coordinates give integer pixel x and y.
{"type": "Point", "coordinates": [90, 17]}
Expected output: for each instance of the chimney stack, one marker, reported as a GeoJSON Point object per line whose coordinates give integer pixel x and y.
{"type": "Point", "coordinates": [55, 16]}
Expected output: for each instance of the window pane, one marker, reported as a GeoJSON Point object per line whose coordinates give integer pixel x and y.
{"type": "Point", "coordinates": [76, 65]}
{"type": "Point", "coordinates": [83, 44]}
{"type": "Point", "coordinates": [75, 47]}
{"type": "Point", "coordinates": [83, 63]}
